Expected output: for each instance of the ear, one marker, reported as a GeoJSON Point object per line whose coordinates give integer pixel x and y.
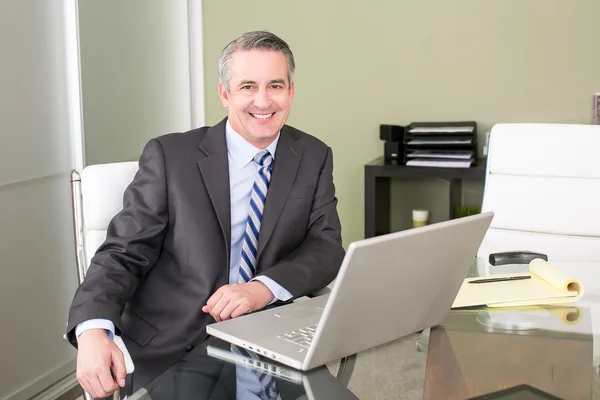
{"type": "Point", "coordinates": [223, 95]}
{"type": "Point", "coordinates": [292, 91]}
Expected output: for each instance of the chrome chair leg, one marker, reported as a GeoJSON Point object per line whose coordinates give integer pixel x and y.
{"type": "Point", "coordinates": [346, 369]}
{"type": "Point", "coordinates": [423, 340]}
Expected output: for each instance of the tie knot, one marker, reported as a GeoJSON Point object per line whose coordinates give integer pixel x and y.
{"type": "Point", "coordinates": [263, 158]}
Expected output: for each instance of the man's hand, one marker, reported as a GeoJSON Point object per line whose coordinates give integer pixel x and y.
{"type": "Point", "coordinates": [231, 301]}
{"type": "Point", "coordinates": [96, 353]}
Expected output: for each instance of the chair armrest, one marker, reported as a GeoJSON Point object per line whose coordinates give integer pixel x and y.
{"type": "Point", "coordinates": [319, 292]}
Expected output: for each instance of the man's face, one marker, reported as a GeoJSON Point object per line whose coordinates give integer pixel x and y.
{"type": "Point", "coordinates": [259, 97]}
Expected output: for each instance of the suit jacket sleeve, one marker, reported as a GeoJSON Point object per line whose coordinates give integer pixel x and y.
{"type": "Point", "coordinates": [316, 262]}
{"type": "Point", "coordinates": [133, 243]}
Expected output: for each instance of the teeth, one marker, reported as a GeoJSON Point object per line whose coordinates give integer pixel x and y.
{"type": "Point", "coordinates": [261, 116]}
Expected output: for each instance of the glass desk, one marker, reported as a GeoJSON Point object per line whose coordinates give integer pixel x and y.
{"type": "Point", "coordinates": [474, 352]}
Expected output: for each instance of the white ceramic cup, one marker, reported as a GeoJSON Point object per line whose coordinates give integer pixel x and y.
{"type": "Point", "coordinates": [420, 217]}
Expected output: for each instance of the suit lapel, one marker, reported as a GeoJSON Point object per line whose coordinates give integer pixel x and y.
{"type": "Point", "coordinates": [285, 167]}
{"type": "Point", "coordinates": [214, 167]}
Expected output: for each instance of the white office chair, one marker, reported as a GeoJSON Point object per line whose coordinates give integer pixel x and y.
{"type": "Point", "coordinates": [543, 184]}
{"type": "Point", "coordinates": [97, 197]}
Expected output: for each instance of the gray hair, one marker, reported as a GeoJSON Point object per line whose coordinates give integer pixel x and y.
{"type": "Point", "coordinates": [256, 40]}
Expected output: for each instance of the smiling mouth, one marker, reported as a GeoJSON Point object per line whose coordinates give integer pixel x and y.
{"type": "Point", "coordinates": [262, 116]}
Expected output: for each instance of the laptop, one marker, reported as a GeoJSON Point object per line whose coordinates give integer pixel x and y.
{"type": "Point", "coordinates": [388, 287]}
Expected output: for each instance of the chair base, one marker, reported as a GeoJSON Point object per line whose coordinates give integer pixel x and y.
{"type": "Point", "coordinates": [423, 340]}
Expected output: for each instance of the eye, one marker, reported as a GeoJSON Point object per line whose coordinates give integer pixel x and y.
{"type": "Point", "coordinates": [277, 86]}
{"type": "Point", "coordinates": [246, 87]}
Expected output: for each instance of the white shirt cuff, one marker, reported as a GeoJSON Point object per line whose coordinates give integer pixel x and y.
{"type": "Point", "coordinates": [278, 291]}
{"type": "Point", "coordinates": [96, 324]}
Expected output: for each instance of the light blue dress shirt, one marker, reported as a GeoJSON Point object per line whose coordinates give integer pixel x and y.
{"type": "Point", "coordinates": [242, 173]}
{"type": "Point", "coordinates": [248, 387]}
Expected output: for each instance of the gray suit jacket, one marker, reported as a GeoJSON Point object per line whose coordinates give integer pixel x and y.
{"type": "Point", "coordinates": [168, 250]}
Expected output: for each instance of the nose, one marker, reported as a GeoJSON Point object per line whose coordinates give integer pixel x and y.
{"type": "Point", "coordinates": [262, 99]}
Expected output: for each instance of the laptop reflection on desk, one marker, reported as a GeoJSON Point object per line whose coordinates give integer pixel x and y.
{"type": "Point", "coordinates": [255, 364]}
{"type": "Point", "coordinates": [317, 384]}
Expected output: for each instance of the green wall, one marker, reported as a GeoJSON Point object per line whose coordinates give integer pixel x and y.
{"type": "Point", "coordinates": [363, 63]}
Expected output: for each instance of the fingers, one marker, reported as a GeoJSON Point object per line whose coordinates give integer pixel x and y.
{"type": "Point", "coordinates": [243, 308]}
{"type": "Point", "coordinates": [218, 301]}
{"type": "Point", "coordinates": [218, 308]}
{"type": "Point", "coordinates": [85, 385]}
{"type": "Point", "coordinates": [93, 386]}
{"type": "Point", "coordinates": [107, 382]}
{"type": "Point", "coordinates": [235, 304]}
{"type": "Point", "coordinates": [119, 370]}
{"type": "Point", "coordinates": [214, 299]}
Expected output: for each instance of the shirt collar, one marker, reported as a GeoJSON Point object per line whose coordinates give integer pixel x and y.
{"type": "Point", "coordinates": [242, 152]}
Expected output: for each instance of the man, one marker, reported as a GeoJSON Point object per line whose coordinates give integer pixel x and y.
{"type": "Point", "coordinates": [218, 222]}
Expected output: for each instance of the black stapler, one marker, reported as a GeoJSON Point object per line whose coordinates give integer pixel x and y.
{"type": "Point", "coordinates": [515, 257]}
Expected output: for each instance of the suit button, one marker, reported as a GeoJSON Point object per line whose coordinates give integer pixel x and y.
{"type": "Point", "coordinates": [189, 348]}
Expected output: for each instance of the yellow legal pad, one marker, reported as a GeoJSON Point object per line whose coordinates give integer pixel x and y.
{"type": "Point", "coordinates": [548, 285]}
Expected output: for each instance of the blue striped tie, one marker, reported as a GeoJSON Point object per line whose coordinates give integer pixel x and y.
{"type": "Point", "coordinates": [266, 380]}
{"type": "Point", "coordinates": [257, 205]}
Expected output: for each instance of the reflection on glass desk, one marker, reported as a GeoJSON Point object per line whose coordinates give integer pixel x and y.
{"type": "Point", "coordinates": [474, 352]}
{"type": "Point", "coordinates": [218, 370]}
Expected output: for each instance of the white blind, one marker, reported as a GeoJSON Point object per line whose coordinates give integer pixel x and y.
{"type": "Point", "coordinates": [136, 78]}
{"type": "Point", "coordinates": [37, 271]}
{"type": "Point", "coordinates": [34, 120]}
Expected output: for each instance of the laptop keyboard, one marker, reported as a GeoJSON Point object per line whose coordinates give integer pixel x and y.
{"type": "Point", "coordinates": [302, 337]}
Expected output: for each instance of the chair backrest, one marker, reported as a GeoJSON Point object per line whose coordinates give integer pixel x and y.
{"type": "Point", "coordinates": [97, 198]}
{"type": "Point", "coordinates": [543, 184]}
